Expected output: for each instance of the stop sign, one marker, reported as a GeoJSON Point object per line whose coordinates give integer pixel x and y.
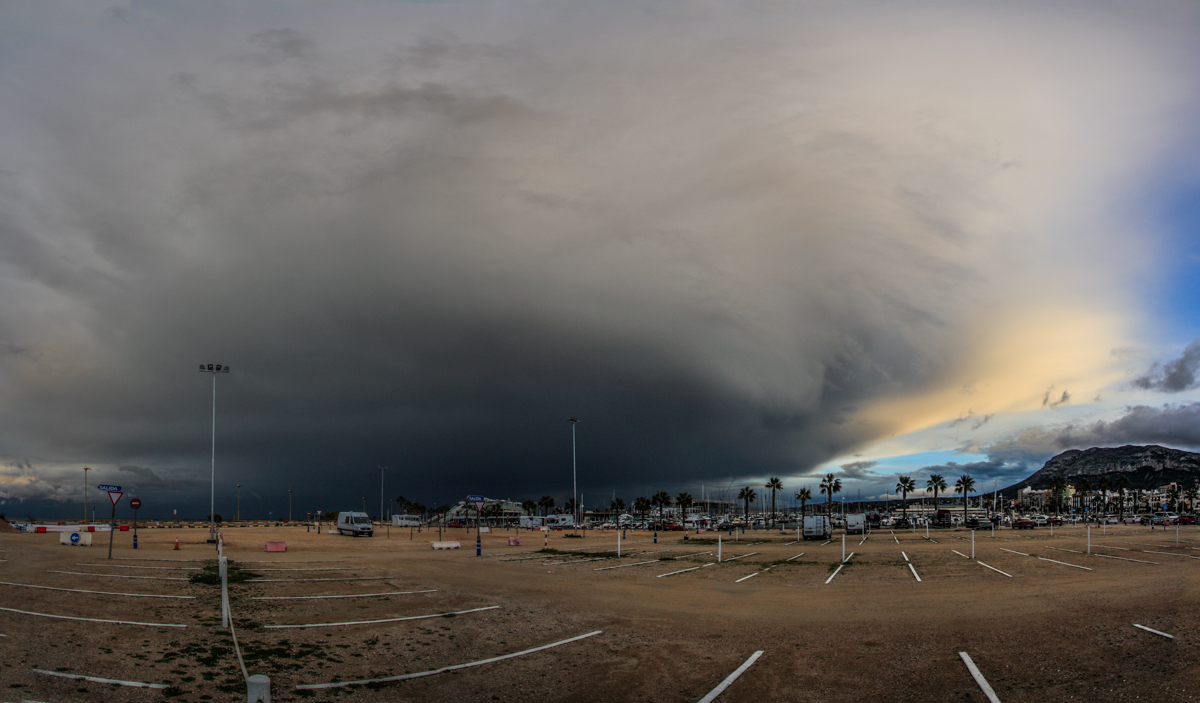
{"type": "Point", "coordinates": [135, 503]}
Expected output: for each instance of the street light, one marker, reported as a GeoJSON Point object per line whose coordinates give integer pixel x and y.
{"type": "Point", "coordinates": [85, 470]}
{"type": "Point", "coordinates": [213, 369]}
{"type": "Point", "coordinates": [381, 470]}
{"type": "Point", "coordinates": [574, 482]}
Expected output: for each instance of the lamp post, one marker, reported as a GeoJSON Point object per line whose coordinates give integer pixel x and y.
{"type": "Point", "coordinates": [574, 481]}
{"type": "Point", "coordinates": [381, 470]}
{"type": "Point", "coordinates": [85, 470]}
{"type": "Point", "coordinates": [239, 503]}
{"type": "Point", "coordinates": [213, 369]}
{"type": "Point", "coordinates": [289, 505]}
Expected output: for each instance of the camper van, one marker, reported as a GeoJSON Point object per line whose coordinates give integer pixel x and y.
{"type": "Point", "coordinates": [817, 527]}
{"type": "Point", "coordinates": [406, 521]}
{"type": "Point", "coordinates": [354, 524]}
{"type": "Point", "coordinates": [531, 522]}
{"type": "Point", "coordinates": [559, 521]}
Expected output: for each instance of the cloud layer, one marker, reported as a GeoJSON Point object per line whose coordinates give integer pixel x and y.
{"type": "Point", "coordinates": [735, 244]}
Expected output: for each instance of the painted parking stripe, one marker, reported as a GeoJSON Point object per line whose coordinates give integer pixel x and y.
{"type": "Point", "coordinates": [746, 577]}
{"type": "Point", "coordinates": [120, 576]}
{"type": "Point", "coordinates": [994, 569]}
{"type": "Point", "coordinates": [444, 669]}
{"type": "Point", "coordinates": [914, 572]}
{"type": "Point", "coordinates": [1140, 561]}
{"type": "Point", "coordinates": [678, 572]}
{"type": "Point", "coordinates": [348, 595]}
{"type": "Point", "coordinates": [835, 573]}
{"type": "Point", "coordinates": [712, 695]}
{"type": "Point", "coordinates": [111, 622]}
{"type": "Point", "coordinates": [1012, 552]}
{"type": "Point", "coordinates": [1170, 637]}
{"type": "Point", "coordinates": [96, 679]}
{"type": "Point", "coordinates": [622, 566]}
{"type": "Point", "coordinates": [1065, 563]}
{"type": "Point", "coordinates": [101, 593]}
{"type": "Point", "coordinates": [373, 622]}
{"type": "Point", "coordinates": [983, 684]}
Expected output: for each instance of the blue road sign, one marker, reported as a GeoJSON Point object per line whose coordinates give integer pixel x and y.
{"type": "Point", "coordinates": [474, 499]}
{"type": "Point", "coordinates": [74, 538]}
{"type": "Point", "coordinates": [109, 488]}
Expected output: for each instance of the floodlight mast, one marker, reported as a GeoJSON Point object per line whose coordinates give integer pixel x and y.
{"type": "Point", "coordinates": [213, 369]}
{"type": "Point", "coordinates": [574, 481]}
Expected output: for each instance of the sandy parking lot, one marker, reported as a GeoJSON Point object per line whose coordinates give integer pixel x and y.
{"type": "Point", "coordinates": [1049, 633]}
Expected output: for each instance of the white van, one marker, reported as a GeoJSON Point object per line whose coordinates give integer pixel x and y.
{"type": "Point", "coordinates": [355, 524]}
{"type": "Point", "coordinates": [406, 521]}
{"type": "Point", "coordinates": [817, 527]}
{"type": "Point", "coordinates": [856, 524]}
{"type": "Point", "coordinates": [531, 522]}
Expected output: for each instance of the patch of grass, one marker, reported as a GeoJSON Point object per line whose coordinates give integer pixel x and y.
{"type": "Point", "coordinates": [211, 576]}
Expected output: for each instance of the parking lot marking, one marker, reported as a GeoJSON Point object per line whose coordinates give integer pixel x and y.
{"type": "Point", "coordinates": [964, 556]}
{"type": "Point", "coordinates": [741, 555]}
{"type": "Point", "coordinates": [835, 573]}
{"type": "Point", "coordinates": [914, 572]}
{"type": "Point", "coordinates": [329, 568]}
{"type": "Point", "coordinates": [119, 576]}
{"type": "Point", "coordinates": [994, 569]}
{"type": "Point", "coordinates": [983, 684]}
{"type": "Point", "coordinates": [678, 572]}
{"type": "Point", "coordinates": [372, 622]}
{"type": "Point", "coordinates": [826, 542]}
{"type": "Point", "coordinates": [791, 543]}
{"type": "Point", "coordinates": [1170, 637]}
{"type": "Point", "coordinates": [1065, 563]}
{"type": "Point", "coordinates": [348, 578]}
{"type": "Point", "coordinates": [622, 566]}
{"type": "Point", "coordinates": [1123, 549]}
{"type": "Point", "coordinates": [893, 534]}
{"type": "Point", "coordinates": [746, 577]}
{"type": "Point", "coordinates": [712, 695]}
{"type": "Point", "coordinates": [1073, 551]}
{"type": "Point", "coordinates": [111, 622]}
{"type": "Point", "coordinates": [1189, 556]}
{"type": "Point", "coordinates": [847, 559]}
{"type": "Point", "coordinates": [96, 679]}
{"type": "Point", "coordinates": [1009, 550]}
{"type": "Point", "coordinates": [101, 593]}
{"type": "Point", "coordinates": [1106, 556]}
{"type": "Point", "coordinates": [444, 669]}
{"type": "Point", "coordinates": [131, 566]}
{"type": "Point", "coordinates": [795, 557]}
{"type": "Point", "coordinates": [347, 595]}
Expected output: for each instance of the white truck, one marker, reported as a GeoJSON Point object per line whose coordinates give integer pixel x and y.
{"type": "Point", "coordinates": [856, 524]}
{"type": "Point", "coordinates": [817, 527]}
{"type": "Point", "coordinates": [355, 524]}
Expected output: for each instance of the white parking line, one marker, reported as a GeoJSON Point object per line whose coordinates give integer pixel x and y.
{"type": "Point", "coordinates": [111, 622]}
{"type": "Point", "coordinates": [96, 679]}
{"type": "Point", "coordinates": [1107, 556]}
{"type": "Point", "coordinates": [101, 593]}
{"type": "Point", "coordinates": [795, 557]}
{"type": "Point", "coordinates": [1189, 556]}
{"type": "Point", "coordinates": [622, 566]}
{"type": "Point", "coordinates": [741, 556]}
{"type": "Point", "coordinates": [994, 569]}
{"type": "Point", "coordinates": [964, 556]}
{"type": "Point", "coordinates": [372, 622]}
{"type": "Point", "coordinates": [983, 684]}
{"type": "Point", "coordinates": [835, 573]}
{"type": "Point", "coordinates": [679, 572]}
{"type": "Point", "coordinates": [1065, 563]}
{"type": "Point", "coordinates": [914, 572]}
{"type": "Point", "coordinates": [349, 595]}
{"type": "Point", "coordinates": [1170, 637]}
{"type": "Point", "coordinates": [120, 576]}
{"type": "Point", "coordinates": [712, 695]}
{"type": "Point", "coordinates": [444, 669]}
{"type": "Point", "coordinates": [1073, 551]}
{"type": "Point", "coordinates": [131, 566]}
{"type": "Point", "coordinates": [746, 577]}
{"type": "Point", "coordinates": [1012, 552]}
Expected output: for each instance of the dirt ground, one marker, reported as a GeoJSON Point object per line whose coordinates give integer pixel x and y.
{"type": "Point", "coordinates": [1051, 632]}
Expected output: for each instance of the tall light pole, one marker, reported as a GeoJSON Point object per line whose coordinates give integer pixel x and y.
{"type": "Point", "coordinates": [381, 470]}
{"type": "Point", "coordinates": [239, 503]}
{"type": "Point", "coordinates": [85, 470]}
{"type": "Point", "coordinates": [213, 369]}
{"type": "Point", "coordinates": [289, 505]}
{"type": "Point", "coordinates": [574, 482]}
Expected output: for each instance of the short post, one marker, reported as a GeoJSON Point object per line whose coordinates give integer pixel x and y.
{"type": "Point", "coordinates": [843, 547]}
{"type": "Point", "coordinates": [656, 535]}
{"type": "Point", "coordinates": [135, 528]}
{"type": "Point", "coordinates": [618, 544]}
{"type": "Point", "coordinates": [718, 548]}
{"type": "Point", "coordinates": [112, 528]}
{"type": "Point", "coordinates": [1089, 529]}
{"type": "Point", "coordinates": [224, 570]}
{"type": "Point", "coordinates": [478, 534]}
{"type": "Point", "coordinates": [258, 689]}
{"type": "Point", "coordinates": [972, 544]}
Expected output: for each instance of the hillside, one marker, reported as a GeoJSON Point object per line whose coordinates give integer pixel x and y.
{"type": "Point", "coordinates": [1147, 467]}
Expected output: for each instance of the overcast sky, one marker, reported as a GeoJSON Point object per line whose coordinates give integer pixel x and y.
{"type": "Point", "coordinates": [736, 239]}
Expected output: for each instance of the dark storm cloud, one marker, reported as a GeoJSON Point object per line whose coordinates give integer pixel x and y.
{"type": "Point", "coordinates": [1170, 425]}
{"type": "Point", "coordinates": [423, 238]}
{"type": "Point", "coordinates": [1175, 375]}
{"type": "Point", "coordinates": [995, 470]}
{"type": "Point", "coordinates": [858, 470]}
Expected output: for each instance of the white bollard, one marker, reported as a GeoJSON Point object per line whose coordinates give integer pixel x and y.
{"type": "Point", "coordinates": [258, 689]}
{"type": "Point", "coordinates": [972, 544]}
{"type": "Point", "coordinates": [224, 569]}
{"type": "Point", "coordinates": [843, 547]}
{"type": "Point", "coordinates": [618, 543]}
{"type": "Point", "coordinates": [1089, 529]}
{"type": "Point", "coordinates": [718, 548]}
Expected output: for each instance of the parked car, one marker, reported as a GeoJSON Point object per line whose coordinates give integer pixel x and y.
{"type": "Point", "coordinates": [1112, 520]}
{"type": "Point", "coordinates": [1024, 523]}
{"type": "Point", "coordinates": [1188, 520]}
{"type": "Point", "coordinates": [1056, 521]}
{"type": "Point", "coordinates": [901, 523]}
{"type": "Point", "coordinates": [1040, 520]}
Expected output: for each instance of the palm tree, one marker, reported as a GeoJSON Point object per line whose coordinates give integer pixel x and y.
{"type": "Point", "coordinates": [1191, 494]}
{"type": "Point", "coordinates": [965, 484]}
{"type": "Point", "coordinates": [1058, 486]}
{"type": "Point", "coordinates": [684, 501]}
{"type": "Point", "coordinates": [529, 506]}
{"type": "Point", "coordinates": [937, 484]}
{"type": "Point", "coordinates": [1083, 486]}
{"type": "Point", "coordinates": [804, 495]}
{"type": "Point", "coordinates": [829, 486]}
{"type": "Point", "coordinates": [904, 485]}
{"type": "Point", "coordinates": [663, 500]}
{"type": "Point", "coordinates": [746, 495]}
{"type": "Point", "coordinates": [547, 504]}
{"type": "Point", "coordinates": [1104, 486]}
{"type": "Point", "coordinates": [1121, 485]}
{"type": "Point", "coordinates": [773, 485]}
{"type": "Point", "coordinates": [617, 506]}
{"type": "Point", "coordinates": [641, 506]}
